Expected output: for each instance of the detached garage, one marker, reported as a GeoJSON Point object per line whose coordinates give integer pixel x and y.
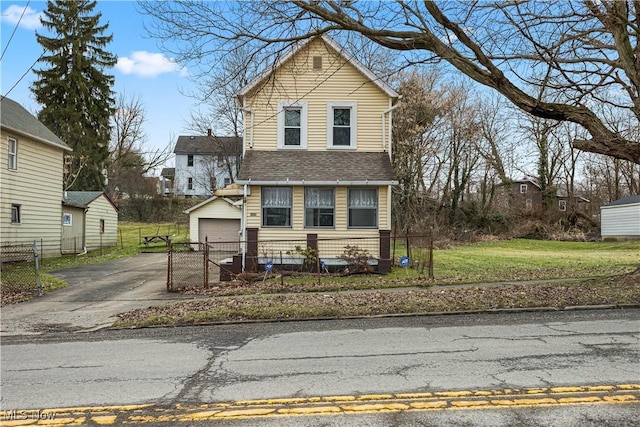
{"type": "Point", "coordinates": [215, 220]}
{"type": "Point", "coordinates": [621, 219]}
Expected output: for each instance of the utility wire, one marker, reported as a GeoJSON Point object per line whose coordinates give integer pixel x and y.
{"type": "Point", "coordinates": [14, 30]}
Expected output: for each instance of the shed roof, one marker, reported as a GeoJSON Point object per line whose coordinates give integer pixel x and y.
{"type": "Point", "coordinates": [316, 168]}
{"type": "Point", "coordinates": [83, 199]}
{"type": "Point", "coordinates": [16, 118]}
{"type": "Point", "coordinates": [625, 201]}
{"type": "Point", "coordinates": [225, 145]}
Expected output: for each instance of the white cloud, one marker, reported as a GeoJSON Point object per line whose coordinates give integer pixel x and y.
{"type": "Point", "coordinates": [30, 20]}
{"type": "Point", "coordinates": [147, 64]}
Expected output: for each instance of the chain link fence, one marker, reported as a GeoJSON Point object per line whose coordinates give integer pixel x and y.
{"type": "Point", "coordinates": [19, 271]}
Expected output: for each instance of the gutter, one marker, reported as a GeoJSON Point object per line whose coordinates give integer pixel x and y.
{"type": "Point", "coordinates": [323, 183]}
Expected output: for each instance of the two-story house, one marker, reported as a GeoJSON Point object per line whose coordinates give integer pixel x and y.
{"type": "Point", "coordinates": [525, 195]}
{"type": "Point", "coordinates": [204, 163]}
{"type": "Point", "coordinates": [317, 153]}
{"type": "Point", "coordinates": [31, 181]}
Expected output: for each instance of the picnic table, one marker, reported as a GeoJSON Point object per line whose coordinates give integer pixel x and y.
{"type": "Point", "coordinates": [156, 238]}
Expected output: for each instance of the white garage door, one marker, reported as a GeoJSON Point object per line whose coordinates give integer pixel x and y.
{"type": "Point", "coordinates": [218, 230]}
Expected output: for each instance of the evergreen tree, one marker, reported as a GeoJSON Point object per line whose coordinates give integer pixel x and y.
{"type": "Point", "coordinates": [74, 90]}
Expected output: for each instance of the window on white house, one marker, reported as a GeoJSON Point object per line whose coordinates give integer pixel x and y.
{"type": "Point", "coordinates": [523, 188]}
{"type": "Point", "coordinates": [227, 181]}
{"type": "Point", "coordinates": [190, 160]}
{"type": "Point", "coordinates": [12, 161]}
{"type": "Point", "coordinates": [67, 219]}
{"type": "Point", "coordinates": [319, 207]}
{"type": "Point", "coordinates": [341, 121]}
{"type": "Point", "coordinates": [292, 124]}
{"type": "Point", "coordinates": [562, 205]}
{"type": "Point", "coordinates": [276, 206]}
{"type": "Point", "coordinates": [220, 160]}
{"type": "Point", "coordinates": [190, 184]}
{"type": "Point", "coordinates": [363, 207]}
{"type": "Point", "coordinates": [16, 214]}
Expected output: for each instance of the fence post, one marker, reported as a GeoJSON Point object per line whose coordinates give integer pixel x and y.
{"type": "Point", "coordinates": [206, 260]}
{"type": "Point", "coordinates": [169, 262]}
{"type": "Point", "coordinates": [384, 262]}
{"type": "Point", "coordinates": [431, 253]}
{"type": "Point", "coordinates": [37, 266]}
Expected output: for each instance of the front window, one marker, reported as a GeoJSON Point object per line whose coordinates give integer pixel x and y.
{"type": "Point", "coordinates": [341, 120]}
{"type": "Point", "coordinates": [363, 207]}
{"type": "Point", "coordinates": [15, 214]}
{"type": "Point", "coordinates": [276, 206]}
{"type": "Point", "coordinates": [190, 160]}
{"type": "Point", "coordinates": [292, 124]}
{"type": "Point", "coordinates": [319, 207]}
{"type": "Point", "coordinates": [12, 162]}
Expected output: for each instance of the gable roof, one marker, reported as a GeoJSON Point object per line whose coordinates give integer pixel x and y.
{"type": "Point", "coordinates": [625, 201]}
{"type": "Point", "coordinates": [210, 200]}
{"type": "Point", "coordinates": [316, 168]}
{"type": "Point", "coordinates": [208, 145]}
{"type": "Point", "coordinates": [168, 172]}
{"type": "Point", "coordinates": [333, 45]}
{"type": "Point", "coordinates": [82, 199]}
{"type": "Point", "coordinates": [16, 118]}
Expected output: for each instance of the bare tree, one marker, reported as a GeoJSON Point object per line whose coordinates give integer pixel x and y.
{"type": "Point", "coordinates": [554, 60]}
{"type": "Point", "coordinates": [128, 161]}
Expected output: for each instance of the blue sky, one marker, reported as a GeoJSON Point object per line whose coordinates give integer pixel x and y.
{"type": "Point", "coordinates": [142, 70]}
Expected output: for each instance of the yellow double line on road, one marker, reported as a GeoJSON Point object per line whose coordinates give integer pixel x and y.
{"type": "Point", "coordinates": [328, 405]}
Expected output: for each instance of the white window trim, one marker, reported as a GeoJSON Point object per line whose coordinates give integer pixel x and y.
{"type": "Point", "coordinates": [64, 217]}
{"type": "Point", "coordinates": [377, 209]}
{"type": "Point", "coordinates": [303, 124]}
{"type": "Point", "coordinates": [562, 205]}
{"type": "Point", "coordinates": [523, 188]}
{"type": "Point", "coordinates": [13, 154]}
{"type": "Point", "coordinates": [353, 106]}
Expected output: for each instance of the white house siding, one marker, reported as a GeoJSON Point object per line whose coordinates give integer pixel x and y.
{"type": "Point", "coordinates": [620, 221]}
{"type": "Point", "coordinates": [204, 166]}
{"type": "Point", "coordinates": [36, 186]}
{"type": "Point", "coordinates": [101, 209]}
{"type": "Point", "coordinates": [338, 81]}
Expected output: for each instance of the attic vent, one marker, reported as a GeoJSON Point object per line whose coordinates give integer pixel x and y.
{"type": "Point", "coordinates": [317, 62]}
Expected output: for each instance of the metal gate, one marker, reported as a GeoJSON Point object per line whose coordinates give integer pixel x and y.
{"type": "Point", "coordinates": [198, 264]}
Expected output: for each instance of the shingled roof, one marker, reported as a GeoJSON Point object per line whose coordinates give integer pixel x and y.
{"type": "Point", "coordinates": [296, 167]}
{"type": "Point", "coordinates": [208, 145]}
{"type": "Point", "coordinates": [82, 199]}
{"type": "Point", "coordinates": [16, 118]}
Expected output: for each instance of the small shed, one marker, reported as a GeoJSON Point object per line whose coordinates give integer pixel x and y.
{"type": "Point", "coordinates": [100, 217]}
{"type": "Point", "coordinates": [217, 219]}
{"type": "Point", "coordinates": [621, 219]}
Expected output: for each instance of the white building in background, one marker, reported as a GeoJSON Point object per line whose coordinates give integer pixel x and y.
{"type": "Point", "coordinates": [621, 219]}
{"type": "Point", "coordinates": [205, 163]}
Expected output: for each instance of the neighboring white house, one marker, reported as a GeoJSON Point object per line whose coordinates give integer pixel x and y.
{"type": "Point", "coordinates": [31, 180]}
{"type": "Point", "coordinates": [217, 219]}
{"type": "Point", "coordinates": [621, 219]}
{"type": "Point", "coordinates": [204, 163]}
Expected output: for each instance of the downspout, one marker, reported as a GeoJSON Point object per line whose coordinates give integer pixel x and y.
{"type": "Point", "coordinates": [244, 146]}
{"type": "Point", "coordinates": [384, 127]}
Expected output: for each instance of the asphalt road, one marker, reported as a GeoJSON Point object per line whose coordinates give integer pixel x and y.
{"type": "Point", "coordinates": [518, 369]}
{"type": "Point", "coordinates": [95, 295]}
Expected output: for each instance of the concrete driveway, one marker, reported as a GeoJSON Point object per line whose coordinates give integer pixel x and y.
{"type": "Point", "coordinates": [95, 295]}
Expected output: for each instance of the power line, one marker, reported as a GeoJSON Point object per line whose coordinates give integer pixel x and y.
{"type": "Point", "coordinates": [26, 72]}
{"type": "Point", "coordinates": [14, 30]}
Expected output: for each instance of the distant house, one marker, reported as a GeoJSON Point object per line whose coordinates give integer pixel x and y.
{"type": "Point", "coordinates": [204, 163]}
{"type": "Point", "coordinates": [89, 221]}
{"type": "Point", "coordinates": [167, 176]}
{"type": "Point", "coordinates": [621, 219]}
{"type": "Point", "coordinates": [317, 152]}
{"type": "Point", "coordinates": [32, 159]}
{"type": "Point", "coordinates": [525, 195]}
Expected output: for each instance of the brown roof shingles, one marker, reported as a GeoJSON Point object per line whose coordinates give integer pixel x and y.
{"type": "Point", "coordinates": [316, 167]}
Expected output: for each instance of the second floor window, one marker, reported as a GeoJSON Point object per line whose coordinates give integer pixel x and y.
{"type": "Point", "coordinates": [292, 124]}
{"type": "Point", "coordinates": [12, 162]}
{"type": "Point", "coordinates": [190, 160]}
{"type": "Point", "coordinates": [562, 205]}
{"type": "Point", "coordinates": [341, 124]}
{"type": "Point", "coordinates": [523, 188]}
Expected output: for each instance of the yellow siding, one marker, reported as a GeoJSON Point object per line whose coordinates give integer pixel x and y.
{"type": "Point", "coordinates": [37, 187]}
{"type": "Point", "coordinates": [297, 81]}
{"type": "Point", "coordinates": [298, 233]}
{"type": "Point", "coordinates": [101, 209]}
